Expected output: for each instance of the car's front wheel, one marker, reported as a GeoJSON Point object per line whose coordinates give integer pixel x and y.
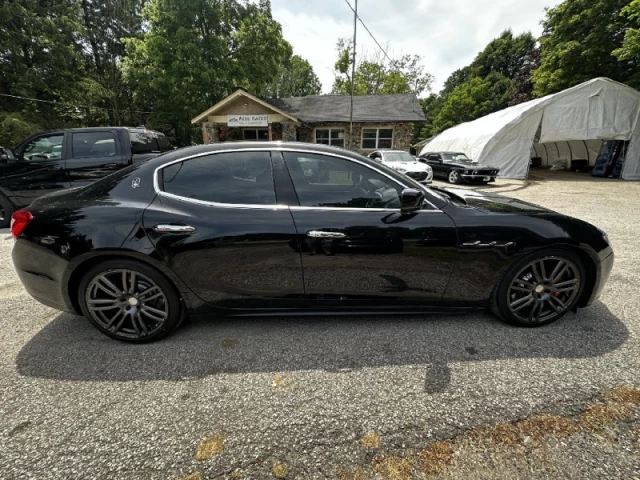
{"type": "Point", "coordinates": [539, 289]}
{"type": "Point", "coordinates": [454, 177]}
{"type": "Point", "coordinates": [129, 301]}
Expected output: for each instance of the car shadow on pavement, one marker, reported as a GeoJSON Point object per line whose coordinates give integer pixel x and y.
{"type": "Point", "coordinates": [69, 348]}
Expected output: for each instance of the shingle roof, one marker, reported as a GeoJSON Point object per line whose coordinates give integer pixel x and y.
{"type": "Point", "coordinates": [366, 108]}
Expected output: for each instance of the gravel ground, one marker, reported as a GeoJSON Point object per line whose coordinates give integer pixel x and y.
{"type": "Point", "coordinates": [331, 397]}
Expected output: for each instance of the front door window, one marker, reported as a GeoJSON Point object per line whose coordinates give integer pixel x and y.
{"type": "Point", "coordinates": [324, 181]}
{"type": "Point", "coordinates": [44, 148]}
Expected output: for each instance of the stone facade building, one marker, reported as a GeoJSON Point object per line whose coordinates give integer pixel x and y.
{"type": "Point", "coordinates": [380, 122]}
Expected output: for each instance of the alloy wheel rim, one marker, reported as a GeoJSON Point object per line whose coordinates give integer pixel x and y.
{"type": "Point", "coordinates": [453, 177]}
{"type": "Point", "coordinates": [127, 303]}
{"type": "Point", "coordinates": [544, 289]}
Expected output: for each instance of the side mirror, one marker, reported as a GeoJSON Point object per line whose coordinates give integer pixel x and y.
{"type": "Point", "coordinates": [411, 200]}
{"type": "Point", "coordinates": [7, 155]}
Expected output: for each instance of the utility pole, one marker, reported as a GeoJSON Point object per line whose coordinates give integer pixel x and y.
{"type": "Point", "coordinates": [353, 69]}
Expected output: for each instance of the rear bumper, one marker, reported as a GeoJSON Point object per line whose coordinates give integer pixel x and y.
{"type": "Point", "coordinates": [41, 273]}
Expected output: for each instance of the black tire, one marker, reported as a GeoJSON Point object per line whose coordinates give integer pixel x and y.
{"type": "Point", "coordinates": [453, 176]}
{"type": "Point", "coordinates": [142, 305]}
{"type": "Point", "coordinates": [510, 300]}
{"type": "Point", "coordinates": [6, 210]}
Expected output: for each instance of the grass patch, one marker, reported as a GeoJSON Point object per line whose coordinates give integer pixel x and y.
{"type": "Point", "coordinates": [280, 470]}
{"type": "Point", "coordinates": [393, 467]}
{"type": "Point", "coordinates": [503, 434]}
{"type": "Point", "coordinates": [210, 446]}
{"type": "Point", "coordinates": [598, 415]}
{"type": "Point", "coordinates": [371, 440]}
{"type": "Point", "coordinates": [193, 476]}
{"type": "Point", "coordinates": [541, 426]}
{"type": "Point", "coordinates": [436, 458]}
{"type": "Point", "coordinates": [623, 395]}
{"type": "Point", "coordinates": [357, 474]}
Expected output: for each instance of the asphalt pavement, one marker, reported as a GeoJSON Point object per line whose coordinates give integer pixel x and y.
{"type": "Point", "coordinates": [345, 397]}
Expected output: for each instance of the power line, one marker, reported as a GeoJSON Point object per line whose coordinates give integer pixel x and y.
{"type": "Point", "coordinates": [369, 31]}
{"type": "Point", "coordinates": [71, 105]}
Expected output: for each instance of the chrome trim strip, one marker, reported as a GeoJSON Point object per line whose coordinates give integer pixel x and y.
{"type": "Point", "coordinates": [338, 209]}
{"type": "Point", "coordinates": [174, 228]}
{"type": "Point", "coordinates": [279, 148]}
{"type": "Point", "coordinates": [323, 234]}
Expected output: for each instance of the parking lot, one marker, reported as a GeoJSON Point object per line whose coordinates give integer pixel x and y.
{"type": "Point", "coordinates": [345, 397]}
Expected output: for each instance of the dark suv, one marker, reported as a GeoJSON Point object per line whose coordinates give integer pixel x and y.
{"type": "Point", "coordinates": [61, 159]}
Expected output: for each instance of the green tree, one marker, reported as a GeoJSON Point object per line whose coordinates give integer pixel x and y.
{"type": "Point", "coordinates": [630, 50]}
{"type": "Point", "coordinates": [377, 75]}
{"type": "Point", "coordinates": [577, 45]}
{"type": "Point", "coordinates": [504, 55]}
{"type": "Point", "coordinates": [104, 25]}
{"type": "Point", "coordinates": [40, 58]}
{"type": "Point", "coordinates": [194, 53]}
{"type": "Point", "coordinates": [295, 78]}
{"type": "Point", "coordinates": [473, 99]}
{"type": "Point", "coordinates": [499, 75]}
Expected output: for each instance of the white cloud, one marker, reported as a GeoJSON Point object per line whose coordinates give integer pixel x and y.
{"type": "Point", "coordinates": [448, 34]}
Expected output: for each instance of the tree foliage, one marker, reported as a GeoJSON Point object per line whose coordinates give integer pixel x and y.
{"type": "Point", "coordinates": [375, 75]}
{"type": "Point", "coordinates": [196, 52]}
{"type": "Point", "coordinates": [89, 62]}
{"type": "Point", "coordinates": [630, 50]}
{"type": "Point", "coordinates": [496, 78]}
{"type": "Point", "coordinates": [579, 41]}
{"type": "Point", "coordinates": [295, 78]}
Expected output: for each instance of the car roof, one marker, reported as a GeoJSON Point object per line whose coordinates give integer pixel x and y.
{"type": "Point", "coordinates": [260, 145]}
{"type": "Point", "coordinates": [89, 129]}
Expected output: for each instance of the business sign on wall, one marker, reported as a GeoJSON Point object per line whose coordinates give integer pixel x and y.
{"type": "Point", "coordinates": [247, 120]}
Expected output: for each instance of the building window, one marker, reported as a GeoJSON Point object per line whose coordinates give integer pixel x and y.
{"type": "Point", "coordinates": [375, 138]}
{"type": "Point", "coordinates": [256, 133]}
{"type": "Point", "coordinates": [330, 136]}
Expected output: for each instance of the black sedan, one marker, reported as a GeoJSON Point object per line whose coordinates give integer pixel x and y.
{"type": "Point", "coordinates": [247, 229]}
{"type": "Point", "coordinates": [456, 167]}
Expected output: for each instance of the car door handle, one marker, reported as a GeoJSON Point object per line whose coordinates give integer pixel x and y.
{"type": "Point", "coordinates": [168, 228]}
{"type": "Point", "coordinates": [323, 234]}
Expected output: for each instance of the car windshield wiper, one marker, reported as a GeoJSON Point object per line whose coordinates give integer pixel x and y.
{"type": "Point", "coordinates": [450, 194]}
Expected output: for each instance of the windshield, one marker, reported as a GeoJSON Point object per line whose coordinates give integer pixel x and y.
{"type": "Point", "coordinates": [398, 157]}
{"type": "Point", "coordinates": [456, 157]}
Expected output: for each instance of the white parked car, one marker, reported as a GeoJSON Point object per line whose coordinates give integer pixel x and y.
{"type": "Point", "coordinates": [405, 163]}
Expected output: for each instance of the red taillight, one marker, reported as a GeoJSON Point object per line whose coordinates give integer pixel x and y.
{"type": "Point", "coordinates": [19, 221]}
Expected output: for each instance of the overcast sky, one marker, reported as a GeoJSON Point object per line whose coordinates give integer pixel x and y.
{"type": "Point", "coordinates": [446, 33]}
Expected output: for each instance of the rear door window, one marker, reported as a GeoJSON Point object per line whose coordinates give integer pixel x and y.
{"type": "Point", "coordinates": [239, 178]}
{"type": "Point", "coordinates": [93, 145]}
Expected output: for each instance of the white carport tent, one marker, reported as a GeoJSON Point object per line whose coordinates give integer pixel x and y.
{"type": "Point", "coordinates": [567, 125]}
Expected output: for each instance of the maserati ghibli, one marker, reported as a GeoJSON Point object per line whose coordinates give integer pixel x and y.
{"type": "Point", "coordinates": [269, 228]}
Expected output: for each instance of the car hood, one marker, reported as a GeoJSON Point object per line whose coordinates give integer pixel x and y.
{"type": "Point", "coordinates": [408, 166]}
{"type": "Point", "coordinates": [494, 203]}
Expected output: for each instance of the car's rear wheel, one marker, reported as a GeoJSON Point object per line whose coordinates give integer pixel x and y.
{"type": "Point", "coordinates": [129, 301]}
{"type": "Point", "coordinates": [6, 210]}
{"type": "Point", "coordinates": [454, 177]}
{"type": "Point", "coordinates": [539, 289]}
